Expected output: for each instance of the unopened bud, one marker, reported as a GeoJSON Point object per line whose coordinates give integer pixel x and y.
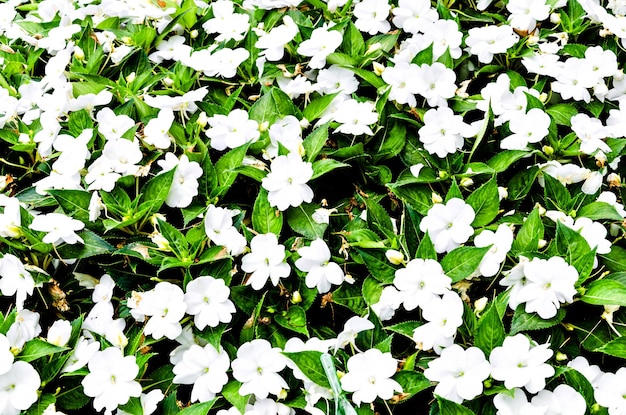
{"type": "Point", "coordinates": [543, 97]}
{"type": "Point", "coordinates": [131, 77]}
{"type": "Point", "coordinates": [79, 54]}
{"type": "Point", "coordinates": [542, 243]}
{"type": "Point", "coordinates": [168, 82]}
{"type": "Point", "coordinates": [614, 180]}
{"type": "Point", "coordinates": [154, 221]}
{"type": "Point", "coordinates": [560, 357]}
{"type": "Point", "coordinates": [202, 119]}
{"type": "Point", "coordinates": [548, 150]}
{"type": "Point", "coordinates": [467, 182]}
{"type": "Point", "coordinates": [194, 33]}
{"type": "Point", "coordinates": [373, 48]}
{"type": "Point", "coordinates": [555, 18]}
{"type": "Point", "coordinates": [532, 40]}
{"type": "Point", "coordinates": [282, 394]}
{"type": "Point", "coordinates": [378, 68]}
{"type": "Point", "coordinates": [160, 241]}
{"type": "Point", "coordinates": [395, 257]}
{"type": "Point", "coordinates": [604, 32]}
{"type": "Point", "coordinates": [480, 304]}
{"type": "Point", "coordinates": [304, 123]}
{"type": "Point", "coordinates": [503, 193]}
{"type": "Point", "coordinates": [540, 209]}
{"type": "Point", "coordinates": [436, 198]}
{"type": "Point", "coordinates": [296, 298]}
{"type": "Point", "coordinates": [127, 40]}
{"type": "Point", "coordinates": [264, 126]}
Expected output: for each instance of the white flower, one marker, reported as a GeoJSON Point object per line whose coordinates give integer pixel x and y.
{"type": "Point", "coordinates": [273, 43]}
{"type": "Point", "coordinates": [25, 327]}
{"type": "Point", "coordinates": [172, 48]}
{"type": "Point", "coordinates": [315, 261]}
{"type": "Point", "coordinates": [204, 368]}
{"type": "Point", "coordinates": [122, 155]}
{"type": "Point", "coordinates": [6, 357]}
{"type": "Point", "coordinates": [322, 43]}
{"type": "Point", "coordinates": [267, 260]}
{"type": "Point", "coordinates": [449, 225]}
{"type": "Point", "coordinates": [166, 307]}
{"type": "Point", "coordinates": [562, 400]}
{"type": "Point", "coordinates": [525, 14]}
{"type": "Point", "coordinates": [356, 117]}
{"type": "Point", "coordinates": [591, 133]}
{"type": "Point", "coordinates": [103, 291]}
{"type": "Point", "coordinates": [547, 284]}
{"type": "Point", "coordinates": [489, 40]}
{"type": "Point", "coordinates": [414, 16]}
{"type": "Point", "coordinates": [148, 401]}
{"type": "Point", "coordinates": [369, 376]}
{"type": "Point", "coordinates": [444, 316]}
{"type": "Point", "coordinates": [185, 182]}
{"type": "Point", "coordinates": [517, 404]}
{"type": "Point", "coordinates": [404, 79]}
{"type": "Point", "coordinates": [531, 127]}
{"type": "Point", "coordinates": [82, 353]}
{"type": "Point", "coordinates": [389, 301]}
{"type": "Point", "coordinates": [610, 391]}
{"type": "Point", "coordinates": [15, 279]}
{"type": "Point", "coordinates": [443, 131]}
{"type": "Point", "coordinates": [421, 281]}
{"type": "Point", "coordinates": [336, 79]}
{"type": "Point", "coordinates": [371, 16]}
{"type": "Point", "coordinates": [156, 132]}
{"type": "Point", "coordinates": [437, 84]}
{"type": "Point", "coordinates": [286, 132]}
{"type": "Point", "coordinates": [257, 366]}
{"type": "Point", "coordinates": [521, 364]}
{"type": "Point", "coordinates": [59, 227]}
{"type": "Point", "coordinates": [111, 379]}
{"type": "Point", "coordinates": [351, 328]}
{"type": "Point", "coordinates": [10, 220]}
{"type": "Point", "coordinates": [207, 300]}
{"type": "Point", "coordinates": [229, 25]}
{"type": "Point", "coordinates": [287, 181]}
{"type": "Point", "coordinates": [460, 373]}
{"type": "Point", "coordinates": [218, 225]}
{"type": "Point", "coordinates": [232, 130]}
{"type": "Point", "coordinates": [591, 372]}
{"type": "Point", "coordinates": [185, 102]}
{"type": "Point", "coordinates": [59, 333]}
{"type": "Point", "coordinates": [18, 388]}
{"type": "Point", "coordinates": [113, 126]}
{"type": "Point", "coordinates": [501, 241]}
{"type": "Point", "coordinates": [266, 407]}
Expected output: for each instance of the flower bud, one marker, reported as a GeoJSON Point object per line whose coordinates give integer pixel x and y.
{"type": "Point", "coordinates": [436, 198]}
{"type": "Point", "coordinates": [296, 298]}
{"type": "Point", "coordinates": [202, 119]}
{"type": "Point", "coordinates": [560, 357]}
{"type": "Point", "coordinates": [131, 77]}
{"type": "Point", "coordinates": [373, 48]}
{"type": "Point", "coordinates": [555, 18]}
{"type": "Point", "coordinates": [168, 82]}
{"type": "Point", "coordinates": [543, 97]}
{"type": "Point", "coordinates": [614, 229]}
{"type": "Point", "coordinates": [79, 54]}
{"type": "Point", "coordinates": [547, 150]}
{"type": "Point", "coordinates": [160, 241]}
{"type": "Point", "coordinates": [541, 209]}
{"type": "Point", "coordinates": [378, 68]}
{"type": "Point", "coordinates": [264, 126]}
{"type": "Point", "coordinates": [282, 394]}
{"type": "Point", "coordinates": [614, 180]}
{"type": "Point", "coordinates": [479, 305]}
{"type": "Point", "coordinates": [532, 39]}
{"type": "Point", "coordinates": [395, 257]}
{"type": "Point", "coordinates": [542, 243]}
{"type": "Point", "coordinates": [503, 193]}
{"type": "Point", "coordinates": [127, 40]}
{"type": "Point", "coordinates": [467, 182]}
{"type": "Point", "coordinates": [153, 219]}
{"type": "Point", "coordinates": [194, 33]}
{"type": "Point", "coordinates": [304, 123]}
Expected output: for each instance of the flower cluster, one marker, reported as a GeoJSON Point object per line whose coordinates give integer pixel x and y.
{"type": "Point", "coordinates": [288, 206]}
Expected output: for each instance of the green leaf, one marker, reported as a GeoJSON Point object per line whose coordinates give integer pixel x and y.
{"type": "Point", "coordinates": [266, 219]}
{"type": "Point", "coordinates": [523, 321]}
{"type": "Point", "coordinates": [556, 194]}
{"type": "Point", "coordinates": [349, 296]}
{"type": "Point", "coordinates": [599, 211]}
{"type": "Point", "coordinates": [133, 406]}
{"type": "Point", "coordinates": [562, 113]}
{"type": "Point", "coordinates": [154, 193]}
{"type": "Point", "coordinates": [462, 262]}
{"type": "Point", "coordinates": [73, 202]}
{"type": "Point", "coordinates": [363, 238]}
{"type": "Point", "coordinates": [317, 107]}
{"type": "Point", "coordinates": [447, 407]}
{"type": "Point", "coordinates": [615, 260]}
{"type": "Point", "coordinates": [520, 184]}
{"type": "Point", "coordinates": [231, 393]}
{"type": "Point", "coordinates": [406, 328]}
{"type": "Point", "coordinates": [178, 243]}
{"type": "Point", "coordinates": [571, 245]}
{"type": "Point", "coordinates": [605, 292]}
{"type": "Point", "coordinates": [244, 298]}
{"type": "Point", "coordinates": [323, 166]}
{"type": "Point", "coordinates": [392, 141]}
{"type": "Point", "coordinates": [338, 58]}
{"type": "Point", "coordinates": [293, 319]}
{"type": "Point", "coordinates": [371, 290]}
{"type": "Point", "coordinates": [528, 236]}
{"type": "Point", "coordinates": [315, 141]}
{"type": "Point", "coordinates": [424, 56]}
{"type": "Point", "coordinates": [36, 348]}
{"type": "Point", "coordinates": [377, 265]}
{"type": "Point", "coordinates": [353, 43]}
{"type": "Point", "coordinates": [252, 172]}
{"type": "Point", "coordinates": [199, 408]}
{"type": "Point", "coordinates": [486, 203]}
{"type": "Point", "coordinates": [310, 364]}
{"type": "Point", "coordinates": [504, 159]}
{"type": "Point", "coordinates": [368, 76]}
{"type": "Point", "coordinates": [426, 249]}
{"type": "Point", "coordinates": [417, 196]}
{"type": "Point", "coordinates": [273, 105]}
{"type": "Point", "coordinates": [301, 221]}
{"type": "Point", "coordinates": [615, 348]}
{"type": "Point", "coordinates": [579, 382]}
{"type": "Point", "coordinates": [41, 405]}
{"type": "Point", "coordinates": [378, 219]}
{"type": "Point", "coordinates": [412, 382]}
{"type": "Point", "coordinates": [93, 245]}
{"type": "Point", "coordinates": [226, 166]}
{"type": "Point", "coordinates": [490, 332]}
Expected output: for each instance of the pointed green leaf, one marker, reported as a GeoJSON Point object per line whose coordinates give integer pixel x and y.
{"type": "Point", "coordinates": [310, 364]}
{"type": "Point", "coordinates": [462, 262]}
{"type": "Point", "coordinates": [266, 219]}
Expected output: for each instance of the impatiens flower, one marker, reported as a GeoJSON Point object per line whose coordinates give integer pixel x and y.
{"type": "Point", "coordinates": [14, 279]}
{"type": "Point", "coordinates": [517, 404]}
{"type": "Point", "coordinates": [547, 284]}
{"type": "Point", "coordinates": [356, 117]}
{"type": "Point", "coordinates": [6, 357]}
{"type": "Point", "coordinates": [591, 372]}
{"type": "Point", "coordinates": [267, 260]}
{"type": "Point", "coordinates": [166, 307]}
{"type": "Point", "coordinates": [460, 373]}
{"type": "Point", "coordinates": [369, 376]}
{"type": "Point", "coordinates": [156, 131]}
{"type": "Point", "coordinates": [562, 400]}
{"type": "Point", "coordinates": [404, 79]}
{"type": "Point", "coordinates": [59, 227]}
{"type": "Point", "coordinates": [526, 13]}
{"type": "Point", "coordinates": [184, 186]}
{"type": "Point", "coordinates": [389, 301]}
{"type": "Point", "coordinates": [336, 79]}
{"type": "Point", "coordinates": [351, 328]}
{"type": "Point", "coordinates": [272, 44]}
{"type": "Point", "coordinates": [25, 327]}
{"type": "Point", "coordinates": [10, 219]}
{"type": "Point", "coordinates": [286, 132]}
{"type": "Point", "coordinates": [207, 300]}
{"type": "Point", "coordinates": [103, 291]}
{"type": "Point", "coordinates": [528, 128]}
{"type": "Point", "coordinates": [148, 402]}
{"type": "Point", "coordinates": [111, 379]}
{"type": "Point", "coordinates": [59, 333]}
{"type": "Point", "coordinates": [414, 16]}
{"type": "Point", "coordinates": [521, 364]}
{"type": "Point", "coordinates": [449, 225]}
{"type": "Point", "coordinates": [322, 43]}
{"type": "Point", "coordinates": [315, 261]}
{"type": "Point", "coordinates": [371, 16]}
{"type": "Point", "coordinates": [591, 133]}
{"type": "Point", "coordinates": [437, 84]}
{"type": "Point", "coordinates": [443, 132]}
{"type": "Point", "coordinates": [229, 25]}
{"type": "Point", "coordinates": [113, 126]}
{"type": "Point", "coordinates": [232, 130]}
{"type": "Point", "coordinates": [218, 225]}
{"type": "Point", "coordinates": [501, 241]}
{"type": "Point", "coordinates": [610, 390]}
{"type": "Point", "coordinates": [18, 388]}
{"type": "Point", "coordinates": [287, 181]}
{"type": "Point", "coordinates": [204, 368]}
{"type": "Point", "coordinates": [443, 316]}
{"type": "Point", "coordinates": [81, 355]}
{"type": "Point", "coordinates": [489, 40]}
{"type": "Point", "coordinates": [257, 366]}
{"type": "Point", "coordinates": [421, 281]}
